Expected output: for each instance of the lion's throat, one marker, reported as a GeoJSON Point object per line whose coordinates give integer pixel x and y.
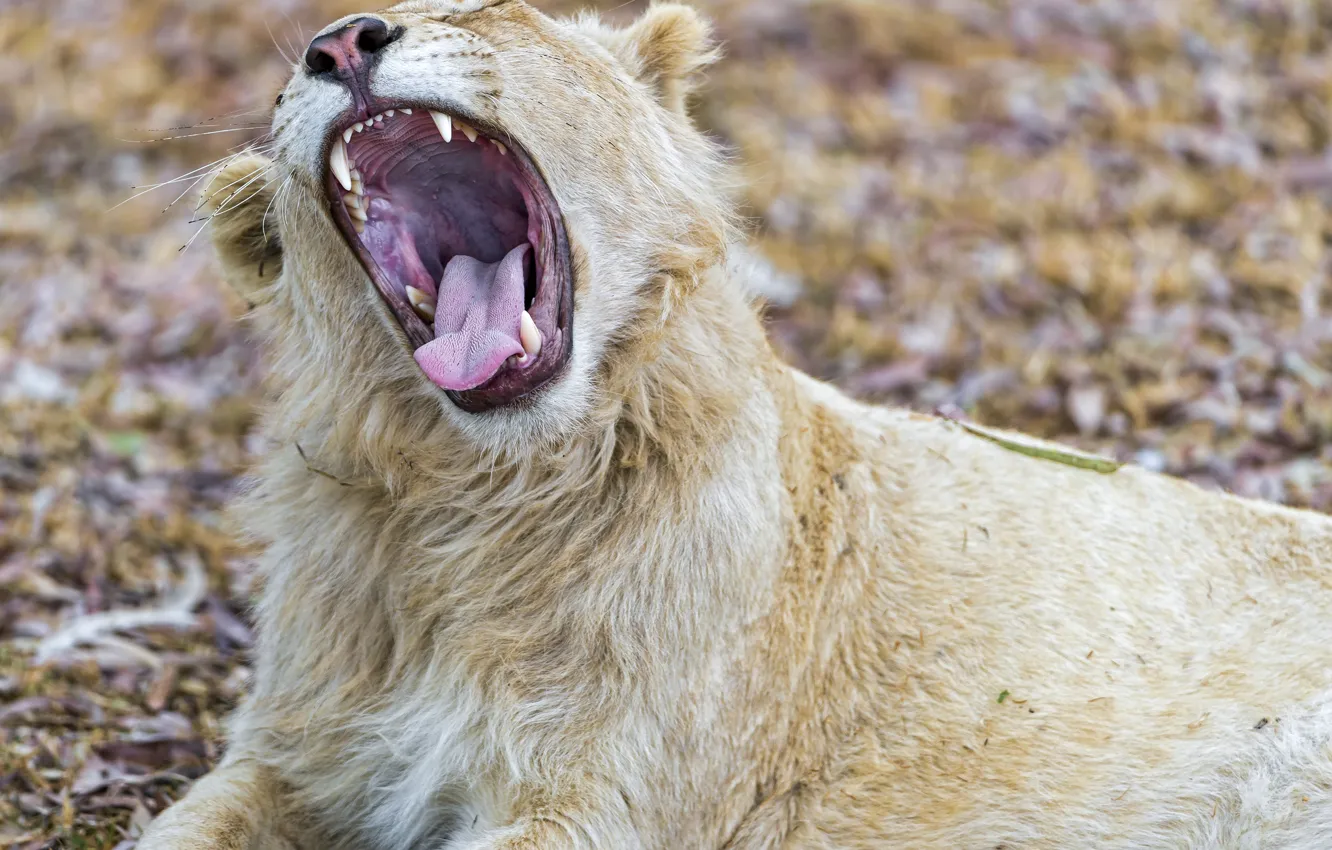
{"type": "Point", "coordinates": [478, 320]}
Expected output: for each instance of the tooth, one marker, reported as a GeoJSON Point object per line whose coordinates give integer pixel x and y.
{"type": "Point", "coordinates": [444, 124]}
{"type": "Point", "coordinates": [467, 130]}
{"type": "Point", "coordinates": [352, 199]}
{"type": "Point", "coordinates": [503, 150]}
{"type": "Point", "coordinates": [358, 214]}
{"type": "Point", "coordinates": [337, 163]}
{"type": "Point", "coordinates": [422, 303]}
{"type": "Point", "coordinates": [530, 335]}
{"type": "Point", "coordinates": [358, 225]}
{"type": "Point", "coordinates": [406, 112]}
{"type": "Point", "coordinates": [379, 118]}
{"type": "Point", "coordinates": [388, 114]}
{"type": "Point", "coordinates": [347, 134]}
{"type": "Point", "coordinates": [358, 126]}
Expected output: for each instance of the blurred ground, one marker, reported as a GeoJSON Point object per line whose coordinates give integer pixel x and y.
{"type": "Point", "coordinates": [1104, 223]}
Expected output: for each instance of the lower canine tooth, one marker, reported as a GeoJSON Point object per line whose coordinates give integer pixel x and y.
{"type": "Point", "coordinates": [423, 304]}
{"type": "Point", "coordinates": [444, 124]}
{"type": "Point", "coordinates": [529, 334]}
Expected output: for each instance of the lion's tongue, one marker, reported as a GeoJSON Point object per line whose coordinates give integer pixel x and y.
{"type": "Point", "coordinates": [477, 316]}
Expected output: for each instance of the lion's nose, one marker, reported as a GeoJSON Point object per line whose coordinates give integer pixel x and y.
{"type": "Point", "coordinates": [348, 47]}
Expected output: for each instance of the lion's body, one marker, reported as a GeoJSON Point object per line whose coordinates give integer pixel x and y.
{"type": "Point", "coordinates": [731, 608]}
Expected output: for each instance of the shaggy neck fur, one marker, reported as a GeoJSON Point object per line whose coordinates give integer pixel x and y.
{"type": "Point", "coordinates": [538, 581]}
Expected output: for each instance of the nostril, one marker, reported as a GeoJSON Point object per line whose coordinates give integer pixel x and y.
{"type": "Point", "coordinates": [374, 37]}
{"type": "Point", "coordinates": [320, 62]}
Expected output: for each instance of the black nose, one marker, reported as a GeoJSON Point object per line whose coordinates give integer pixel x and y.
{"type": "Point", "coordinates": [349, 47]}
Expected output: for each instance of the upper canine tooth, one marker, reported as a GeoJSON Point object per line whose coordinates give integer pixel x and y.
{"type": "Point", "coordinates": [467, 130]}
{"type": "Point", "coordinates": [337, 163]}
{"type": "Point", "coordinates": [422, 303]}
{"type": "Point", "coordinates": [443, 123]}
{"type": "Point", "coordinates": [529, 334]}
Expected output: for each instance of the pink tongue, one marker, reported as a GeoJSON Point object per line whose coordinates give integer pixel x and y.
{"type": "Point", "coordinates": [477, 316]}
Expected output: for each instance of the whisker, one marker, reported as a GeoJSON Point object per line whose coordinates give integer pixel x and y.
{"type": "Point", "coordinates": [277, 46]}
{"type": "Point", "coordinates": [228, 115]}
{"type": "Point", "coordinates": [195, 174]}
{"type": "Point", "coordinates": [202, 201]}
{"type": "Point", "coordinates": [195, 135]}
{"type": "Point", "coordinates": [201, 172]}
{"type": "Point", "coordinates": [223, 208]}
{"type": "Point", "coordinates": [188, 189]}
{"type": "Point", "coordinates": [285, 183]}
{"type": "Point", "coordinates": [300, 34]}
{"type": "Point", "coordinates": [222, 189]}
{"type": "Point", "coordinates": [186, 246]}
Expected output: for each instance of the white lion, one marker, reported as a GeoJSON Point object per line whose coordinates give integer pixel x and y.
{"type": "Point", "coordinates": [559, 555]}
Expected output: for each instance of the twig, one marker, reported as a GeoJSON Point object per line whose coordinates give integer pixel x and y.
{"type": "Point", "coordinates": [316, 470]}
{"type": "Point", "coordinates": [99, 628]}
{"type": "Point", "coordinates": [1068, 457]}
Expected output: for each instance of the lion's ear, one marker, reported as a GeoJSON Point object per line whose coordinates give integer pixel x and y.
{"type": "Point", "coordinates": [239, 201]}
{"type": "Point", "coordinates": [667, 48]}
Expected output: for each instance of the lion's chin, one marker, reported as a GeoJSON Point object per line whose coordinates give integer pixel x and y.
{"type": "Point", "coordinates": [464, 240]}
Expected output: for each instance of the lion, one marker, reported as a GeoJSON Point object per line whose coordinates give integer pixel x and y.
{"type": "Point", "coordinates": [558, 554]}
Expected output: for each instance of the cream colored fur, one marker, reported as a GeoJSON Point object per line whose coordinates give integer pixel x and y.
{"type": "Point", "coordinates": [693, 598]}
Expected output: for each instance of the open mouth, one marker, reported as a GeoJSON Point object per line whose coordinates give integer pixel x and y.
{"type": "Point", "coordinates": [466, 244]}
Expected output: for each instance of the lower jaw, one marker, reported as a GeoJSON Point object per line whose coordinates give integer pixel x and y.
{"type": "Point", "coordinates": [492, 396]}
{"type": "Point", "coordinates": [510, 388]}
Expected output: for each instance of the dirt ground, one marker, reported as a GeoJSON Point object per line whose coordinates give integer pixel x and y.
{"type": "Point", "coordinates": [1103, 223]}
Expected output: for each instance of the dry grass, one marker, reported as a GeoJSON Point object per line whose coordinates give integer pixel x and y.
{"type": "Point", "coordinates": [1103, 223]}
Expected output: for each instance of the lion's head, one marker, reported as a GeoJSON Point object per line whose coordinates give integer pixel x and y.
{"type": "Point", "coordinates": [477, 210]}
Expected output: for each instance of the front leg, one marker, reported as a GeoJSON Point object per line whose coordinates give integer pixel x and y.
{"type": "Point", "coordinates": [595, 820]}
{"type": "Point", "coordinates": [236, 807]}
